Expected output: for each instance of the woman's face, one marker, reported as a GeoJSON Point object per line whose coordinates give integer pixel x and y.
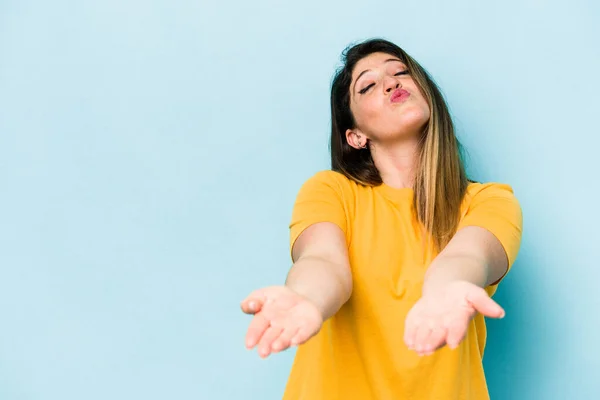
{"type": "Point", "coordinates": [386, 102]}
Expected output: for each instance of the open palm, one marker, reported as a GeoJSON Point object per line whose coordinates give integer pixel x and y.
{"type": "Point", "coordinates": [442, 317]}
{"type": "Point", "coordinates": [282, 318]}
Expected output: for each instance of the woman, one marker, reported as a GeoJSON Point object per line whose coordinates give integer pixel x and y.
{"type": "Point", "coordinates": [396, 253]}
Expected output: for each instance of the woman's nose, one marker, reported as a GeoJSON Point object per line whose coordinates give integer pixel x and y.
{"type": "Point", "coordinates": [391, 84]}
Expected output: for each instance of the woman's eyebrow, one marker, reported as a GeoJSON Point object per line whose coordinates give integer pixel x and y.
{"type": "Point", "coordinates": [367, 70]}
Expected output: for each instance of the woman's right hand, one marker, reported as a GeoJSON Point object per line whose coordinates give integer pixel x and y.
{"type": "Point", "coordinates": [282, 318]}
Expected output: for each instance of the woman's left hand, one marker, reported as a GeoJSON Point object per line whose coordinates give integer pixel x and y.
{"type": "Point", "coordinates": [442, 315]}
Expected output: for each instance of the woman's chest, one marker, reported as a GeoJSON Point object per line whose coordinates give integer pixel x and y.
{"type": "Point", "coordinates": [387, 252]}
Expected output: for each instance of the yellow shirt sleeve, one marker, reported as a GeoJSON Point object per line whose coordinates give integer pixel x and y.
{"type": "Point", "coordinates": [320, 199]}
{"type": "Point", "coordinates": [495, 208]}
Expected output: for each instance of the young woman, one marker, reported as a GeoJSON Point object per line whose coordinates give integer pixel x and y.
{"type": "Point", "coordinates": [396, 253]}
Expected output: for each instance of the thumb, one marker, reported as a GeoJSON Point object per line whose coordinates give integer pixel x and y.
{"type": "Point", "coordinates": [253, 303]}
{"type": "Point", "coordinates": [481, 302]}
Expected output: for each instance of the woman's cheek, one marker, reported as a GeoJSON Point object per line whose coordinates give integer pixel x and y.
{"type": "Point", "coordinates": [371, 108]}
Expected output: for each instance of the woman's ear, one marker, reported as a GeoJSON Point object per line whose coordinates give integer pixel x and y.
{"type": "Point", "coordinates": [356, 139]}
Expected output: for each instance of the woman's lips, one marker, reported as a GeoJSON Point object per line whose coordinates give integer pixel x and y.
{"type": "Point", "coordinates": [399, 96]}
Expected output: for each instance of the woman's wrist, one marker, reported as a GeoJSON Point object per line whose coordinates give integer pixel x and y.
{"type": "Point", "coordinates": [317, 281]}
{"type": "Point", "coordinates": [446, 270]}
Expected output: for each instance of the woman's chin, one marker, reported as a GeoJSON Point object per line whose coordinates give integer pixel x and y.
{"type": "Point", "coordinates": [411, 123]}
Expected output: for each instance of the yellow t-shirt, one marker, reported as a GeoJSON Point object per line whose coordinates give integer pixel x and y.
{"type": "Point", "coordinates": [359, 353]}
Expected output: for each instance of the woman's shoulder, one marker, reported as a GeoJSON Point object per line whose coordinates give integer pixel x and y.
{"type": "Point", "coordinates": [484, 191]}
{"type": "Point", "coordinates": [330, 178]}
{"type": "Point", "coordinates": [330, 175]}
{"type": "Point", "coordinates": [328, 184]}
{"type": "Point", "coordinates": [475, 188]}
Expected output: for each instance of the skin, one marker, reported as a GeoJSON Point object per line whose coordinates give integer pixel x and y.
{"type": "Point", "coordinates": [318, 284]}
{"type": "Point", "coordinates": [391, 130]}
{"type": "Point", "coordinates": [320, 280]}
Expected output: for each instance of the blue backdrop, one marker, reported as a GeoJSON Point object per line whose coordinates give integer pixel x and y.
{"type": "Point", "coordinates": [151, 151]}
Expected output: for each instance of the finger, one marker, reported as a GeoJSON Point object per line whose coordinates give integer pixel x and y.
{"type": "Point", "coordinates": [409, 332]}
{"type": "Point", "coordinates": [437, 339]}
{"type": "Point", "coordinates": [253, 303]}
{"type": "Point", "coordinates": [457, 330]}
{"type": "Point", "coordinates": [257, 328]}
{"type": "Point", "coordinates": [304, 333]}
{"type": "Point", "coordinates": [482, 302]}
{"type": "Point", "coordinates": [285, 339]}
{"type": "Point", "coordinates": [264, 346]}
{"type": "Point", "coordinates": [421, 335]}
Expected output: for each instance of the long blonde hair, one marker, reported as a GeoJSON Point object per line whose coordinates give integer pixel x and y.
{"type": "Point", "coordinates": [440, 180]}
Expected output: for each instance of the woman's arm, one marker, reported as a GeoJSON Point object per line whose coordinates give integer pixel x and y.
{"type": "Point", "coordinates": [473, 255]}
{"type": "Point", "coordinates": [318, 284]}
{"type": "Point", "coordinates": [321, 271]}
{"type": "Point", "coordinates": [453, 290]}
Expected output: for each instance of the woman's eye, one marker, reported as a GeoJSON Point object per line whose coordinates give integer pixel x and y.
{"type": "Point", "coordinates": [364, 90]}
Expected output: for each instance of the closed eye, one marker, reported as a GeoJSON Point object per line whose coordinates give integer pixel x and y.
{"type": "Point", "coordinates": [365, 89]}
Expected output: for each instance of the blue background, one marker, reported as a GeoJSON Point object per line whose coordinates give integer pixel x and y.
{"type": "Point", "coordinates": [150, 153]}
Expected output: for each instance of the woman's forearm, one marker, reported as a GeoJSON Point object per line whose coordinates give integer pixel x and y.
{"type": "Point", "coordinates": [473, 255]}
{"type": "Point", "coordinates": [449, 268]}
{"type": "Point", "coordinates": [328, 285]}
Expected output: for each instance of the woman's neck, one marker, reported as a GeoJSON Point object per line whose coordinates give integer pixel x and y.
{"type": "Point", "coordinates": [396, 164]}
